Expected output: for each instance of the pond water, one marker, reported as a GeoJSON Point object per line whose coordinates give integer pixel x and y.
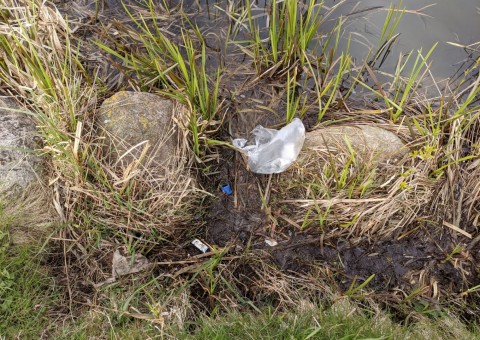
{"type": "Point", "coordinates": [423, 24]}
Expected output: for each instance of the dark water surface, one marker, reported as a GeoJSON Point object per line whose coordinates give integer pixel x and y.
{"type": "Point", "coordinates": [423, 24]}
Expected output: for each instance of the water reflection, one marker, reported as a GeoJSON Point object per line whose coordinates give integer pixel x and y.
{"type": "Point", "coordinates": [423, 24]}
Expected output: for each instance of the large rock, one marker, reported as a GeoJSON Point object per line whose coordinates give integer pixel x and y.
{"type": "Point", "coordinates": [161, 174]}
{"type": "Point", "coordinates": [369, 142]}
{"type": "Point", "coordinates": [133, 119]}
{"type": "Point", "coordinates": [18, 140]}
{"type": "Point", "coordinates": [25, 204]}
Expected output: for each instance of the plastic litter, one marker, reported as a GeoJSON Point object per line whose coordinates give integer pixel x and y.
{"type": "Point", "coordinates": [271, 243]}
{"type": "Point", "coordinates": [227, 189]}
{"type": "Point", "coordinates": [274, 150]}
{"type": "Point", "coordinates": [123, 265]}
{"type": "Point", "coordinates": [200, 245]}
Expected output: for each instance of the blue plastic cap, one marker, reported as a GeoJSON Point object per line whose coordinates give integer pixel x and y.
{"type": "Point", "coordinates": [227, 189]}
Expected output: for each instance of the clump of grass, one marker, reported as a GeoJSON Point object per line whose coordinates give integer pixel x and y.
{"type": "Point", "coordinates": [286, 43]}
{"type": "Point", "coordinates": [402, 89]}
{"type": "Point", "coordinates": [354, 195]}
{"type": "Point", "coordinates": [346, 194]}
{"type": "Point", "coordinates": [176, 68]}
{"type": "Point", "coordinates": [138, 205]}
{"type": "Point", "coordinates": [29, 217]}
{"type": "Point", "coordinates": [292, 27]}
{"type": "Point", "coordinates": [349, 194]}
{"type": "Point", "coordinates": [343, 190]}
{"type": "Point", "coordinates": [63, 99]}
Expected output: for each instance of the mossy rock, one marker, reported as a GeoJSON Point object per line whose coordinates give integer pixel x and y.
{"type": "Point", "coordinates": [132, 120]}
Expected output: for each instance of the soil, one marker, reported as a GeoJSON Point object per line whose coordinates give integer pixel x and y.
{"type": "Point", "coordinates": [407, 263]}
{"type": "Point", "coordinates": [240, 222]}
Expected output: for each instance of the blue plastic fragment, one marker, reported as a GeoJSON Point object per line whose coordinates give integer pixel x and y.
{"type": "Point", "coordinates": [227, 189]}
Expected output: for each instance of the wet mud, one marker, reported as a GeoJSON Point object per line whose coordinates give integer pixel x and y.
{"type": "Point", "coordinates": [421, 259]}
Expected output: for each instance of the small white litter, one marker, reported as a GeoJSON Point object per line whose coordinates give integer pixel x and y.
{"type": "Point", "coordinates": [200, 245]}
{"type": "Point", "coordinates": [274, 150]}
{"type": "Point", "coordinates": [271, 243]}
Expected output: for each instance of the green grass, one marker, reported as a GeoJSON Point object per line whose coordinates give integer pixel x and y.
{"type": "Point", "coordinates": [63, 98]}
{"type": "Point", "coordinates": [337, 322]}
{"type": "Point", "coordinates": [27, 294]}
{"type": "Point", "coordinates": [292, 28]}
{"type": "Point", "coordinates": [173, 67]}
{"type": "Point", "coordinates": [318, 323]}
{"type": "Point", "coordinates": [340, 321]}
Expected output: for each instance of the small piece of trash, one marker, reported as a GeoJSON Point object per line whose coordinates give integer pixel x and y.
{"type": "Point", "coordinates": [274, 150]}
{"type": "Point", "coordinates": [227, 189]}
{"type": "Point", "coordinates": [123, 265]}
{"type": "Point", "coordinates": [271, 243]}
{"type": "Point", "coordinates": [200, 245]}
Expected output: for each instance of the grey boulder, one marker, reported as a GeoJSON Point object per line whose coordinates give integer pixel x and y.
{"type": "Point", "coordinates": [19, 166]}
{"type": "Point", "coordinates": [138, 124]}
{"type": "Point", "coordinates": [367, 141]}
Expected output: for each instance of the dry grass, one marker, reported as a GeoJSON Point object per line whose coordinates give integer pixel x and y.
{"type": "Point", "coordinates": [29, 217]}
{"type": "Point", "coordinates": [152, 209]}
{"type": "Point", "coordinates": [345, 192]}
{"type": "Point", "coordinates": [38, 51]}
{"type": "Point", "coordinates": [138, 204]}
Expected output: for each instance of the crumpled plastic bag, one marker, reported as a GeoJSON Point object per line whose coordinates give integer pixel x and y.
{"type": "Point", "coordinates": [274, 150]}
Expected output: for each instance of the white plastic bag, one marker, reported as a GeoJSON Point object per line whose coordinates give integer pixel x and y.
{"type": "Point", "coordinates": [274, 150]}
